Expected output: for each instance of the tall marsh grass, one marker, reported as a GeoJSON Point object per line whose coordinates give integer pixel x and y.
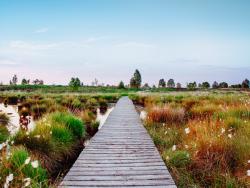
{"type": "Point", "coordinates": [204, 140]}
{"type": "Point", "coordinates": [166, 114]}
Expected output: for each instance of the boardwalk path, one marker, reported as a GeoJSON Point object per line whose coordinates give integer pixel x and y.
{"type": "Point", "coordinates": [121, 154]}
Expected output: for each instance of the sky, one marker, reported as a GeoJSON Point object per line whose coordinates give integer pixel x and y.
{"type": "Point", "coordinates": [187, 40]}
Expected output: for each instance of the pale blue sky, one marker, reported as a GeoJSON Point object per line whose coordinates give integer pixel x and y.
{"type": "Point", "coordinates": [107, 39]}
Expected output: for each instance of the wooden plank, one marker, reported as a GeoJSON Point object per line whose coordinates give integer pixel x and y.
{"type": "Point", "coordinates": [117, 178]}
{"type": "Point", "coordinates": [116, 173]}
{"type": "Point", "coordinates": [119, 183]}
{"type": "Point", "coordinates": [121, 154]}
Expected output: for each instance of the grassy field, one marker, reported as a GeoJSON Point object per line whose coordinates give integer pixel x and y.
{"type": "Point", "coordinates": [204, 138]}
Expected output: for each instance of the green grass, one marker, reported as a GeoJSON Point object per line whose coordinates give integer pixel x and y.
{"type": "Point", "coordinates": [16, 166]}
{"type": "Point", "coordinates": [4, 133]}
{"type": "Point", "coordinates": [74, 124]}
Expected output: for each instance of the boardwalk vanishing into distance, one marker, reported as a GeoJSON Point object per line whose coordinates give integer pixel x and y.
{"type": "Point", "coordinates": [121, 154]}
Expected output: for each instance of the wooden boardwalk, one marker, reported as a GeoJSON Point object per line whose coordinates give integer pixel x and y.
{"type": "Point", "coordinates": [121, 154]}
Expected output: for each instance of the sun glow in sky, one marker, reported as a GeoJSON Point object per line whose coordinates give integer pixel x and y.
{"type": "Point", "coordinates": [187, 40]}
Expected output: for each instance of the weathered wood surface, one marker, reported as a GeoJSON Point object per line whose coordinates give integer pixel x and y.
{"type": "Point", "coordinates": [121, 154]}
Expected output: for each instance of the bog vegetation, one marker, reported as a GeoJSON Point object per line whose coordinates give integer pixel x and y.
{"type": "Point", "coordinates": [40, 156]}
{"type": "Point", "coordinates": [203, 139]}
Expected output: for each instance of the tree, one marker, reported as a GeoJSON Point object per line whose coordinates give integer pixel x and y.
{"type": "Point", "coordinates": [162, 83]}
{"type": "Point", "coordinates": [205, 85]}
{"type": "Point", "coordinates": [75, 83]}
{"type": "Point", "coordinates": [236, 86]}
{"type": "Point", "coordinates": [121, 85]}
{"type": "Point", "coordinates": [171, 83]}
{"type": "Point", "coordinates": [191, 85]}
{"type": "Point", "coordinates": [38, 82]}
{"type": "Point", "coordinates": [14, 79]}
{"type": "Point", "coordinates": [223, 85]}
{"type": "Point", "coordinates": [178, 85]}
{"type": "Point", "coordinates": [25, 82]}
{"type": "Point", "coordinates": [215, 85]}
{"type": "Point", "coordinates": [135, 81]}
{"type": "Point", "coordinates": [146, 86]}
{"type": "Point", "coordinates": [245, 83]}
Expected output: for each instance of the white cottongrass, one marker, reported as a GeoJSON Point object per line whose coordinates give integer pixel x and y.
{"type": "Point", "coordinates": [187, 130]}
{"type": "Point", "coordinates": [1, 146]}
{"type": "Point", "coordinates": [186, 146]}
{"type": "Point", "coordinates": [229, 135]}
{"type": "Point", "coordinates": [222, 130]}
{"type": "Point", "coordinates": [37, 136]}
{"type": "Point", "coordinates": [9, 178]}
{"type": "Point", "coordinates": [248, 161]}
{"type": "Point", "coordinates": [27, 161]}
{"type": "Point", "coordinates": [26, 182]}
{"type": "Point", "coordinates": [34, 164]}
{"type": "Point", "coordinates": [248, 172]}
{"type": "Point", "coordinates": [174, 148]}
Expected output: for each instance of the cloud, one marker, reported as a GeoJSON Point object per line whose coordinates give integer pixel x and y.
{"type": "Point", "coordinates": [134, 44]}
{"type": "Point", "coordinates": [42, 30]}
{"type": "Point", "coordinates": [8, 62]}
{"type": "Point", "coordinates": [32, 45]}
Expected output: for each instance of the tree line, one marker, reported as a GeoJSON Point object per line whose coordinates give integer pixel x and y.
{"type": "Point", "coordinates": [24, 81]}
{"type": "Point", "coordinates": [136, 82]}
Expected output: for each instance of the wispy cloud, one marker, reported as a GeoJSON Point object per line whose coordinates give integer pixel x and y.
{"type": "Point", "coordinates": [8, 62]}
{"type": "Point", "coordinates": [32, 45]}
{"type": "Point", "coordinates": [42, 30]}
{"type": "Point", "coordinates": [134, 44]}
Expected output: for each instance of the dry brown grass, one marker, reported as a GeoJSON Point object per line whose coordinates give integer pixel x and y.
{"type": "Point", "coordinates": [166, 114]}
